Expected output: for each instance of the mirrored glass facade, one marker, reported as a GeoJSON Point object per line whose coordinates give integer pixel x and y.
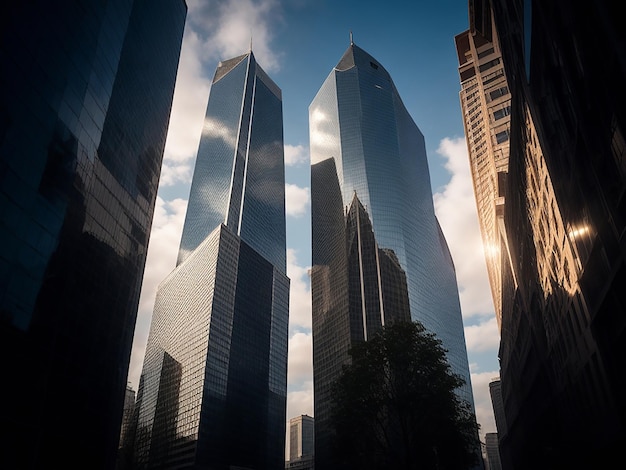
{"type": "Point", "coordinates": [378, 250]}
{"type": "Point", "coordinates": [85, 99]}
{"type": "Point", "coordinates": [213, 388]}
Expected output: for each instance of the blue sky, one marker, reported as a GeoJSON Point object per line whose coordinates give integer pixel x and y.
{"type": "Point", "coordinates": [298, 42]}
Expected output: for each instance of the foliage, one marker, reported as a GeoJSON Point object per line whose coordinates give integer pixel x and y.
{"type": "Point", "coordinates": [395, 405]}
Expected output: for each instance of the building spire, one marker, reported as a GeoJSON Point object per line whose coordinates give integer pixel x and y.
{"type": "Point", "coordinates": [250, 42]}
{"type": "Point", "coordinates": [351, 39]}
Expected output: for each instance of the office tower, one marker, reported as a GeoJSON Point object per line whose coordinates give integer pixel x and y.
{"type": "Point", "coordinates": [129, 408]}
{"type": "Point", "coordinates": [85, 99]}
{"type": "Point", "coordinates": [493, 453]}
{"type": "Point", "coordinates": [301, 441]}
{"type": "Point", "coordinates": [486, 105]}
{"type": "Point", "coordinates": [127, 432]}
{"type": "Point", "coordinates": [495, 392]}
{"type": "Point", "coordinates": [212, 392]}
{"type": "Point", "coordinates": [563, 331]}
{"type": "Point", "coordinates": [378, 252]}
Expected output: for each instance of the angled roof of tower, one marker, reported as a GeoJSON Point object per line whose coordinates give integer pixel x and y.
{"type": "Point", "coordinates": [226, 66]}
{"type": "Point", "coordinates": [355, 56]}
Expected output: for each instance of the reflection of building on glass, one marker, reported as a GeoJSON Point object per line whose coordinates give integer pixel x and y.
{"type": "Point", "coordinates": [85, 104]}
{"type": "Point", "coordinates": [378, 252]}
{"type": "Point", "coordinates": [214, 381]}
{"type": "Point", "coordinates": [377, 287]}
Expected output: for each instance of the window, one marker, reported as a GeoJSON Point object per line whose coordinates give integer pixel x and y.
{"type": "Point", "coordinates": [502, 136]}
{"type": "Point", "coordinates": [493, 76]}
{"type": "Point", "coordinates": [485, 53]}
{"type": "Point", "coordinates": [500, 113]}
{"type": "Point", "coordinates": [488, 65]}
{"type": "Point", "coordinates": [498, 93]}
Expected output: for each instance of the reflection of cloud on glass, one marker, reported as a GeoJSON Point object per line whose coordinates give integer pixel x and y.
{"type": "Point", "coordinates": [218, 130]}
{"type": "Point", "coordinates": [318, 116]}
{"type": "Point", "coordinates": [322, 138]}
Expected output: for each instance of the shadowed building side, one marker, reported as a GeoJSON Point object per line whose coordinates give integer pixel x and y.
{"type": "Point", "coordinates": [84, 113]}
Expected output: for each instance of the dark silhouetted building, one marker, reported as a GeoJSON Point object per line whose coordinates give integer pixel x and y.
{"type": "Point", "coordinates": [495, 391]}
{"type": "Point", "coordinates": [127, 416]}
{"type": "Point", "coordinates": [85, 99]}
{"type": "Point", "coordinates": [378, 253]}
{"type": "Point", "coordinates": [213, 388]}
{"type": "Point", "coordinates": [563, 328]}
{"type": "Point", "coordinates": [493, 452]}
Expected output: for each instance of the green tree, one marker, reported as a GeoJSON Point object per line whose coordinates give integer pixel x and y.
{"type": "Point", "coordinates": [395, 406]}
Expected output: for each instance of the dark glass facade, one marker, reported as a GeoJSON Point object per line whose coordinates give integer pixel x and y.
{"type": "Point", "coordinates": [378, 252]}
{"type": "Point", "coordinates": [563, 343]}
{"type": "Point", "coordinates": [213, 388]}
{"type": "Point", "coordinates": [85, 98]}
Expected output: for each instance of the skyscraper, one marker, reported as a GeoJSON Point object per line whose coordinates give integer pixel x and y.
{"type": "Point", "coordinates": [378, 252]}
{"type": "Point", "coordinates": [213, 388]}
{"type": "Point", "coordinates": [486, 107]}
{"type": "Point", "coordinates": [127, 416]}
{"type": "Point", "coordinates": [301, 442]}
{"type": "Point", "coordinates": [563, 328]}
{"type": "Point", "coordinates": [85, 99]}
{"type": "Point", "coordinates": [493, 452]}
{"type": "Point", "coordinates": [495, 392]}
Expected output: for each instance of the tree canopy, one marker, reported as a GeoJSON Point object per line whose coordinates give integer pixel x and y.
{"type": "Point", "coordinates": [395, 405]}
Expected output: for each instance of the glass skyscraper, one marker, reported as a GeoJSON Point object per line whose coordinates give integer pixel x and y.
{"type": "Point", "coordinates": [213, 388]}
{"type": "Point", "coordinates": [85, 98]}
{"type": "Point", "coordinates": [378, 252]}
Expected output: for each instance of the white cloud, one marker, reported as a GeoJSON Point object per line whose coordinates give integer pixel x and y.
{"type": "Point", "coordinates": [300, 402]}
{"type": "Point", "coordinates": [299, 294]}
{"type": "Point", "coordinates": [295, 155]}
{"type": "Point", "coordinates": [482, 402]}
{"type": "Point", "coordinates": [167, 225]}
{"type": "Point", "coordinates": [229, 26]}
{"type": "Point", "coordinates": [455, 207]}
{"type": "Point", "coordinates": [483, 337]}
{"type": "Point", "coordinates": [215, 30]}
{"type": "Point", "coordinates": [296, 200]}
{"type": "Point", "coordinates": [189, 104]}
{"type": "Point", "coordinates": [174, 173]}
{"type": "Point", "coordinates": [300, 363]}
